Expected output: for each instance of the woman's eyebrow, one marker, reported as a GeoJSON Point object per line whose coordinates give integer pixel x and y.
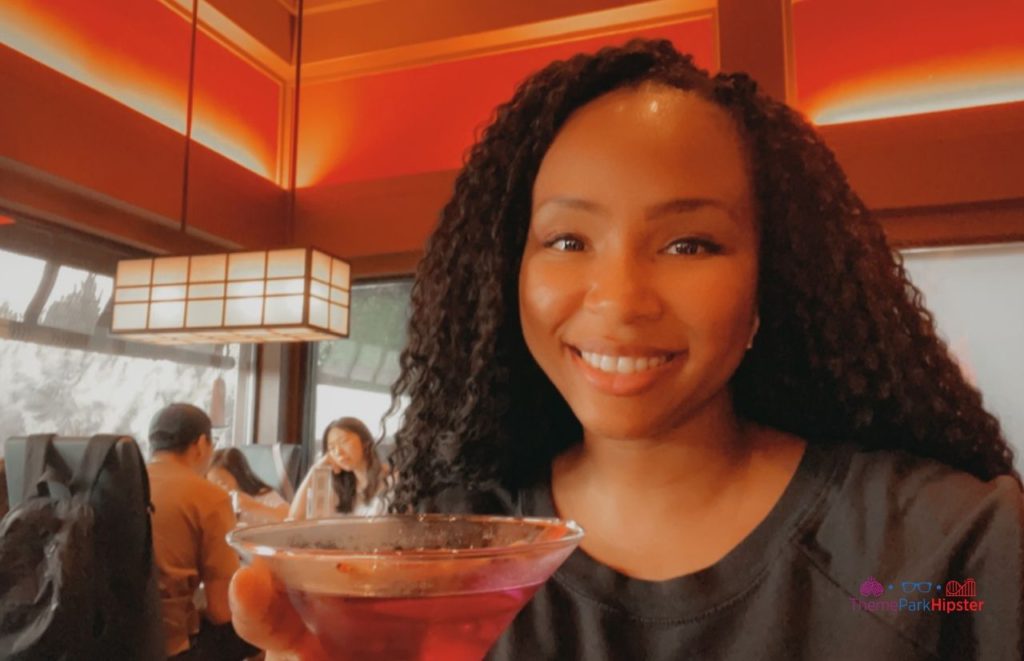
{"type": "Point", "coordinates": [686, 205]}
{"type": "Point", "coordinates": [574, 203]}
{"type": "Point", "coordinates": [674, 206]}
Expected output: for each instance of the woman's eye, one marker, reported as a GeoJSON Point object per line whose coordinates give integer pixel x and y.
{"type": "Point", "coordinates": [692, 247]}
{"type": "Point", "coordinates": [565, 244]}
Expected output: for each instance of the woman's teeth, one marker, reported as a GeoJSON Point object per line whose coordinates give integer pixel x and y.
{"type": "Point", "coordinates": [623, 364]}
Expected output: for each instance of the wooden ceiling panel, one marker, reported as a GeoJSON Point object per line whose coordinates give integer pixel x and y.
{"type": "Point", "coordinates": [404, 121]}
{"type": "Point", "coordinates": [267, 21]}
{"type": "Point", "coordinates": [336, 30]}
{"type": "Point", "coordinates": [867, 59]}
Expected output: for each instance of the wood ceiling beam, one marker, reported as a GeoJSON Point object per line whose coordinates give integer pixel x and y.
{"type": "Point", "coordinates": [755, 36]}
{"type": "Point", "coordinates": [370, 60]}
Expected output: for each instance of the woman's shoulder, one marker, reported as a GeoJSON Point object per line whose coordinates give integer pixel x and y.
{"type": "Point", "coordinates": [912, 490]}
{"type": "Point", "coordinates": [904, 517]}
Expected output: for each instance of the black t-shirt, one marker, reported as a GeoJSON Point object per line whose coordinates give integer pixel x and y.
{"type": "Point", "coordinates": [866, 555]}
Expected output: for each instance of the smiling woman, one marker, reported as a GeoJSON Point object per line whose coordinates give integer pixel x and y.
{"type": "Point", "coordinates": [655, 306]}
{"type": "Point", "coordinates": [661, 245]}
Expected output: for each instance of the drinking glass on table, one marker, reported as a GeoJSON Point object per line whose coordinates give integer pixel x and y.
{"type": "Point", "coordinates": [320, 503]}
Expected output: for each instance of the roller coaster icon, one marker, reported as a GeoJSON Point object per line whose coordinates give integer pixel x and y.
{"type": "Point", "coordinates": [958, 589]}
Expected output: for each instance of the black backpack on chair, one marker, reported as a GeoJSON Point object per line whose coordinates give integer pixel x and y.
{"type": "Point", "coordinates": [76, 559]}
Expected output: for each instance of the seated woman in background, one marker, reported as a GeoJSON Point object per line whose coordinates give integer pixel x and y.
{"type": "Point", "coordinates": [257, 502]}
{"type": "Point", "coordinates": [358, 476]}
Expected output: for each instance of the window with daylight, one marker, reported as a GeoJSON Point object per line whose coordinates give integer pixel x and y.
{"type": "Point", "coordinates": [353, 377]}
{"type": "Point", "coordinates": [65, 373]}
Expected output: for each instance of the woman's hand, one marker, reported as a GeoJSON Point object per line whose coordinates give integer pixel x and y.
{"type": "Point", "coordinates": [254, 511]}
{"type": "Point", "coordinates": [335, 462]}
{"type": "Point", "coordinates": [262, 615]}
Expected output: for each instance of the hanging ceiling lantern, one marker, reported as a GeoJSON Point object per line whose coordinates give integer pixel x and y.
{"type": "Point", "coordinates": [290, 295]}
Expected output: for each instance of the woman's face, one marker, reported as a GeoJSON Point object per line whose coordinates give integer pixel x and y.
{"type": "Point", "coordinates": [638, 285]}
{"type": "Point", "coordinates": [345, 447]}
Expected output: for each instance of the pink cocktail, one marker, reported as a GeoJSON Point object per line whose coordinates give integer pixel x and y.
{"type": "Point", "coordinates": [416, 587]}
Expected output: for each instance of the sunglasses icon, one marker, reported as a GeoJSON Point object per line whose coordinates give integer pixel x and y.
{"type": "Point", "coordinates": [910, 586]}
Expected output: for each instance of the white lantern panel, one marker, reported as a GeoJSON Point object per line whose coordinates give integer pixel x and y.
{"type": "Point", "coordinates": [246, 265]}
{"type": "Point", "coordinates": [287, 286]}
{"type": "Point", "coordinates": [170, 270]}
{"type": "Point", "coordinates": [243, 312]}
{"type": "Point", "coordinates": [169, 314]}
{"type": "Point", "coordinates": [134, 272]}
{"type": "Point", "coordinates": [339, 296]}
{"type": "Point", "coordinates": [250, 288]}
{"type": "Point", "coordinates": [169, 293]}
{"type": "Point", "coordinates": [340, 274]}
{"type": "Point", "coordinates": [321, 266]}
{"type": "Point", "coordinates": [283, 310]}
{"type": "Point", "coordinates": [130, 294]}
{"type": "Point", "coordinates": [129, 316]}
{"type": "Point", "coordinates": [208, 268]}
{"type": "Point", "coordinates": [339, 319]}
{"type": "Point", "coordinates": [319, 289]}
{"type": "Point", "coordinates": [212, 290]}
{"type": "Point", "coordinates": [258, 296]}
{"type": "Point", "coordinates": [286, 263]}
{"type": "Point", "coordinates": [318, 312]}
{"type": "Point", "coordinates": [202, 314]}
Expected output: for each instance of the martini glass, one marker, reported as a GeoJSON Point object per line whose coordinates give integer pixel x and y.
{"type": "Point", "coordinates": [427, 587]}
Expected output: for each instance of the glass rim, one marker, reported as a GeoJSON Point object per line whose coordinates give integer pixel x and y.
{"type": "Point", "coordinates": [237, 538]}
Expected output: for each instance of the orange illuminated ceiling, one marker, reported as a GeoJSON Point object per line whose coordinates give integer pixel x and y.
{"type": "Point", "coordinates": [352, 37]}
{"type": "Point", "coordinates": [423, 119]}
{"type": "Point", "coordinates": [137, 53]}
{"type": "Point", "coordinates": [398, 86]}
{"type": "Point", "coordinates": [868, 59]}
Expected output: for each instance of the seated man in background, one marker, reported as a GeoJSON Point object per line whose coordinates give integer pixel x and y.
{"type": "Point", "coordinates": [191, 517]}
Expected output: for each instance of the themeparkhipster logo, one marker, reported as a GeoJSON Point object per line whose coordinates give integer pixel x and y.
{"type": "Point", "coordinates": [919, 596]}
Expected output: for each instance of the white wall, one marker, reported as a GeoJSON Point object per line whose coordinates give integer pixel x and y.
{"type": "Point", "coordinates": [977, 297]}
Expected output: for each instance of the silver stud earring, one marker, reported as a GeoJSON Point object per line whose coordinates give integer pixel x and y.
{"type": "Point", "coordinates": [753, 331]}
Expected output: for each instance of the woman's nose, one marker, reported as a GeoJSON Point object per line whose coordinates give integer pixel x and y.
{"type": "Point", "coordinates": [622, 287]}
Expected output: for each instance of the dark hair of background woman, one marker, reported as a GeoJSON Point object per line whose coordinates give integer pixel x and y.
{"type": "Point", "coordinates": [233, 461]}
{"type": "Point", "coordinates": [344, 483]}
{"type": "Point", "coordinates": [845, 351]}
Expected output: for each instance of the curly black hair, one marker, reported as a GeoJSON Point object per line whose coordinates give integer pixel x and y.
{"type": "Point", "coordinates": [845, 351]}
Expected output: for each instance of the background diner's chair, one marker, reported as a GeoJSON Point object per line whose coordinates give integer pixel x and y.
{"type": "Point", "coordinates": [279, 465]}
{"type": "Point", "coordinates": [4, 500]}
{"type": "Point", "coordinates": [122, 531]}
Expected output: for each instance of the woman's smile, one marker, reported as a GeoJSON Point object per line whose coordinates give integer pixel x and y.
{"type": "Point", "coordinates": [624, 372]}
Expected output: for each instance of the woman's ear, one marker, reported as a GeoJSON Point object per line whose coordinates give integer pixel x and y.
{"type": "Point", "coordinates": [753, 330]}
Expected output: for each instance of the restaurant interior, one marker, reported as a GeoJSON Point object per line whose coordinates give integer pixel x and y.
{"type": "Point", "coordinates": [314, 142]}
{"type": "Point", "coordinates": [132, 128]}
